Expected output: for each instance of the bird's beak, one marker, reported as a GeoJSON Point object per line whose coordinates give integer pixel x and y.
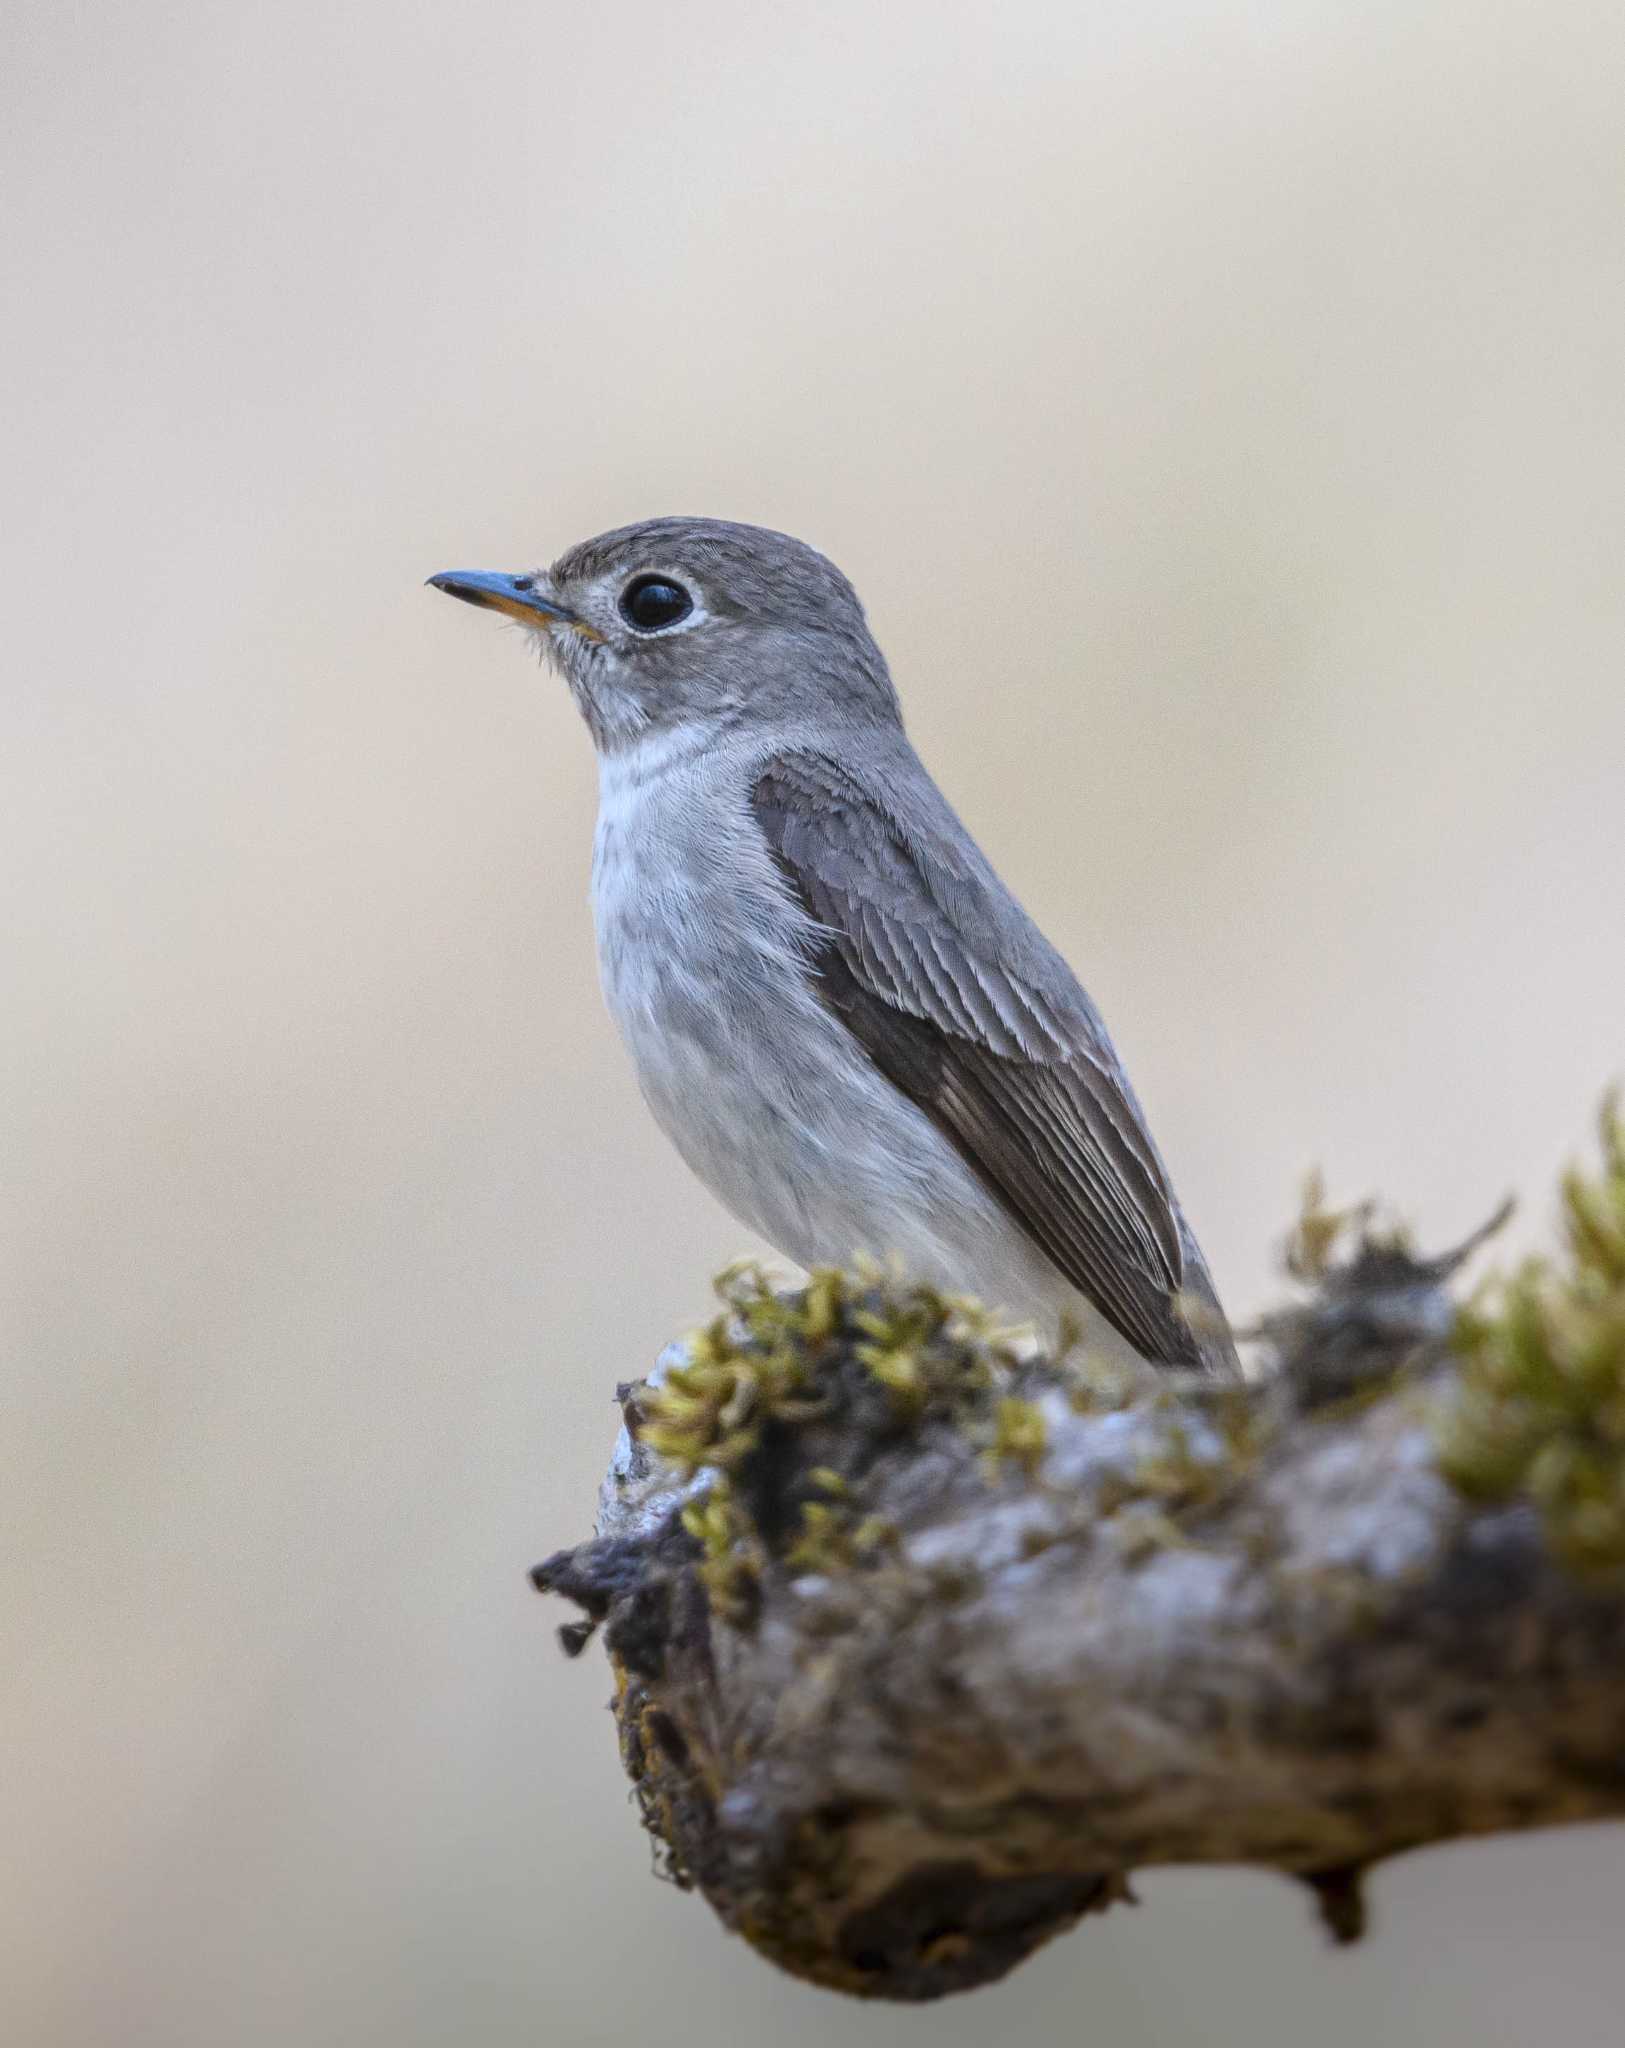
{"type": "Point", "coordinates": [515, 595]}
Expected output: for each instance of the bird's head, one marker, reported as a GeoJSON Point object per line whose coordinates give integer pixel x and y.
{"type": "Point", "coordinates": [695, 623]}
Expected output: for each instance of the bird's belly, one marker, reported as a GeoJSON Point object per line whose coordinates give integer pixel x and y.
{"type": "Point", "coordinates": [797, 1140]}
{"type": "Point", "coordinates": [775, 1107]}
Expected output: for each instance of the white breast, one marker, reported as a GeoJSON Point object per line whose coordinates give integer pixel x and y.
{"type": "Point", "coordinates": [698, 953]}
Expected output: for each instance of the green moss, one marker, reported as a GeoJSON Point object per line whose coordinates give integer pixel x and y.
{"type": "Point", "coordinates": [758, 1362]}
{"type": "Point", "coordinates": [831, 1538]}
{"type": "Point", "coordinates": [750, 1365]}
{"type": "Point", "coordinates": [1019, 1436]}
{"type": "Point", "coordinates": [1245, 1424]}
{"type": "Point", "coordinates": [730, 1555]}
{"type": "Point", "coordinates": [1197, 1446]}
{"type": "Point", "coordinates": [1310, 1253]}
{"type": "Point", "coordinates": [1097, 1385]}
{"type": "Point", "coordinates": [930, 1351]}
{"type": "Point", "coordinates": [1176, 1474]}
{"type": "Point", "coordinates": [781, 1379]}
{"type": "Point", "coordinates": [1539, 1407]}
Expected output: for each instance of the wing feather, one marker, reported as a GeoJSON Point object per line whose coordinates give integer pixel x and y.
{"type": "Point", "coordinates": [960, 1003]}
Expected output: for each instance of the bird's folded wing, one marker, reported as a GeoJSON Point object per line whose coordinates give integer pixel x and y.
{"type": "Point", "coordinates": [958, 1000]}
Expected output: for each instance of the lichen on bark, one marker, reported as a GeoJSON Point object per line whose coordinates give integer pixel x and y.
{"type": "Point", "coordinates": [923, 1642]}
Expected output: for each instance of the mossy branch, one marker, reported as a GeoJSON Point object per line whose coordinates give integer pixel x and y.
{"type": "Point", "coordinates": [923, 1644]}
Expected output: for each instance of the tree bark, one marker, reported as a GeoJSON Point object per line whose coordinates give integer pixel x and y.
{"type": "Point", "coordinates": [922, 1647]}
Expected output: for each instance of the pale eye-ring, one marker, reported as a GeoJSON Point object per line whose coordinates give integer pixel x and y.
{"type": "Point", "coordinates": [651, 603]}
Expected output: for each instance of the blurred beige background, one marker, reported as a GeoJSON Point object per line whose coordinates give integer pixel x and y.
{"type": "Point", "coordinates": [1219, 408]}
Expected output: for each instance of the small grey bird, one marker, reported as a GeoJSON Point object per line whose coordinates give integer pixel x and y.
{"type": "Point", "coordinates": [843, 1020]}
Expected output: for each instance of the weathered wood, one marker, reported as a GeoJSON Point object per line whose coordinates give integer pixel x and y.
{"type": "Point", "coordinates": [922, 1647]}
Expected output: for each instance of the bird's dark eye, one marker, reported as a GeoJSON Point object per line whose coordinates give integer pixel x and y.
{"type": "Point", "coordinates": [650, 602]}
